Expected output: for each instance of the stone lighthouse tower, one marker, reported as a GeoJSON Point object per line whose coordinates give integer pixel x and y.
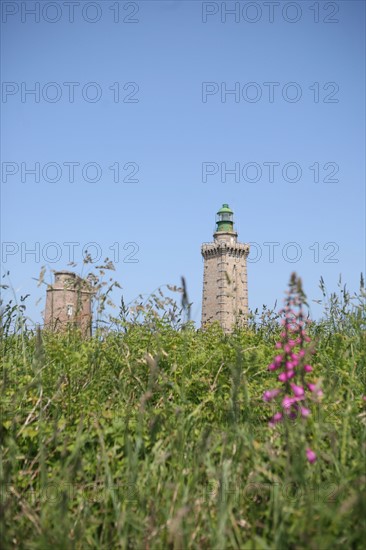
{"type": "Point", "coordinates": [225, 286]}
{"type": "Point", "coordinates": [68, 303]}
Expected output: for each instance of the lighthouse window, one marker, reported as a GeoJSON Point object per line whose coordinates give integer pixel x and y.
{"type": "Point", "coordinates": [225, 217]}
{"type": "Point", "coordinates": [69, 310]}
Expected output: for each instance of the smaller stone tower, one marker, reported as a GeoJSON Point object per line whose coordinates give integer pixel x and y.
{"type": "Point", "coordinates": [68, 303]}
{"type": "Point", "coordinates": [225, 286]}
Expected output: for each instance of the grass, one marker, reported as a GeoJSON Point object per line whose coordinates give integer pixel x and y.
{"type": "Point", "coordinates": [152, 435]}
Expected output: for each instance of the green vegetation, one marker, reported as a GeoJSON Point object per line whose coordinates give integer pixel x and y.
{"type": "Point", "coordinates": [152, 435]}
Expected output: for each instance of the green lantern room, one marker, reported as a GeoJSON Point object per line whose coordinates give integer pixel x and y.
{"type": "Point", "coordinates": [225, 220]}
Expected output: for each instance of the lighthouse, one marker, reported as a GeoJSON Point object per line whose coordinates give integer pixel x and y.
{"type": "Point", "coordinates": [225, 284]}
{"type": "Point", "coordinates": [68, 303]}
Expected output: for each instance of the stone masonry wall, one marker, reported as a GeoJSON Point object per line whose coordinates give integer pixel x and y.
{"type": "Point", "coordinates": [225, 287]}
{"type": "Point", "coordinates": [68, 303]}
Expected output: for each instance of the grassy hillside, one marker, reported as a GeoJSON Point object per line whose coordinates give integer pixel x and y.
{"type": "Point", "coordinates": [152, 435]}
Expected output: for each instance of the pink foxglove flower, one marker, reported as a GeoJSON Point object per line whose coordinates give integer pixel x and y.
{"type": "Point", "coordinates": [275, 419]}
{"type": "Point", "coordinates": [271, 394]}
{"type": "Point", "coordinates": [284, 376]}
{"type": "Point", "coordinates": [310, 455]}
{"type": "Point", "coordinates": [295, 393]}
{"type": "Point", "coordinates": [288, 402]}
{"type": "Point", "coordinates": [298, 390]}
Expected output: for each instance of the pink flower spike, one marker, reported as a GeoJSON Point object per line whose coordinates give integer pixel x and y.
{"type": "Point", "coordinates": [278, 359]}
{"type": "Point", "coordinates": [272, 366]}
{"type": "Point", "coordinates": [270, 394]}
{"type": "Point", "coordinates": [298, 390]}
{"type": "Point", "coordinates": [311, 386]}
{"type": "Point", "coordinates": [311, 456]}
{"type": "Point", "coordinates": [282, 377]}
{"type": "Point", "coordinates": [308, 368]}
{"type": "Point", "coordinates": [305, 412]}
{"type": "Point", "coordinates": [278, 345]}
{"type": "Point", "coordinates": [290, 374]}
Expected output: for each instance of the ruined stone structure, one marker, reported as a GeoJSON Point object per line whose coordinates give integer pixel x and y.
{"type": "Point", "coordinates": [68, 303]}
{"type": "Point", "coordinates": [225, 286]}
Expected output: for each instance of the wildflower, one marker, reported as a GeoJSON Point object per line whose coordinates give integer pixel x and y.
{"type": "Point", "coordinates": [311, 456]}
{"type": "Point", "coordinates": [284, 376]}
{"type": "Point", "coordinates": [277, 417]}
{"type": "Point", "coordinates": [298, 390]}
{"type": "Point", "coordinates": [288, 402]}
{"type": "Point", "coordinates": [271, 394]}
{"type": "Point", "coordinates": [293, 363]}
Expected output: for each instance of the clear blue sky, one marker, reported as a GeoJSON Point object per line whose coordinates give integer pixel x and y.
{"type": "Point", "coordinates": [170, 131]}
